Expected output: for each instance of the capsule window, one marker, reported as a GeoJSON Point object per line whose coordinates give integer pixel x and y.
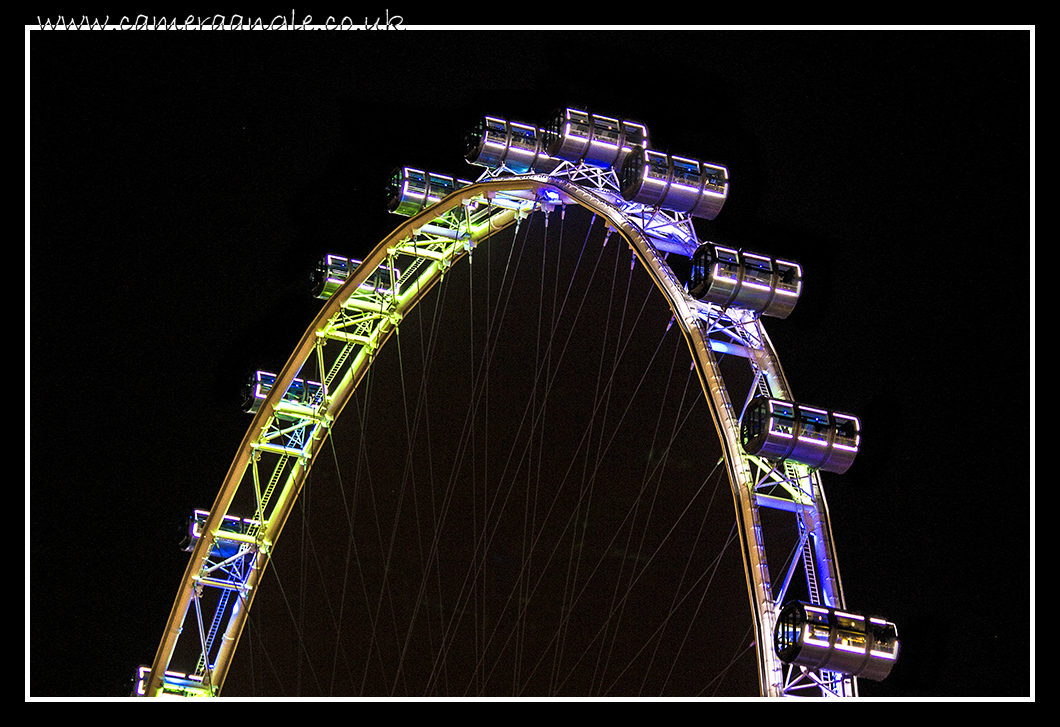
{"type": "Point", "coordinates": [782, 418]}
{"type": "Point", "coordinates": [816, 615]}
{"type": "Point", "coordinates": [885, 637]}
{"type": "Point", "coordinates": [496, 131]}
{"type": "Point", "coordinates": [473, 139]}
{"type": "Point", "coordinates": [415, 184]}
{"type": "Point", "coordinates": [656, 167]}
{"type": "Point", "coordinates": [787, 634]}
{"type": "Point", "coordinates": [396, 180]}
{"type": "Point", "coordinates": [852, 641]}
{"type": "Point", "coordinates": [553, 132]}
{"type": "Point", "coordinates": [635, 135]}
{"type": "Point", "coordinates": [846, 431]}
{"type": "Point", "coordinates": [789, 277]}
{"type": "Point", "coordinates": [700, 265]}
{"type": "Point", "coordinates": [522, 148]}
{"type": "Point", "coordinates": [849, 621]}
{"type": "Point", "coordinates": [716, 178]}
{"type": "Point", "coordinates": [335, 266]}
{"type": "Point", "coordinates": [686, 172]}
{"type": "Point", "coordinates": [815, 425]}
{"type": "Point", "coordinates": [606, 130]}
{"type": "Point", "coordinates": [755, 420]}
{"type": "Point", "coordinates": [302, 392]}
{"type": "Point", "coordinates": [261, 383]}
{"type": "Point", "coordinates": [728, 264]}
{"type": "Point", "coordinates": [818, 632]}
{"type": "Point", "coordinates": [758, 270]}
{"type": "Point", "coordinates": [524, 136]}
{"type": "Point", "coordinates": [439, 187]}
{"type": "Point", "coordinates": [629, 176]}
{"type": "Point", "coordinates": [577, 124]}
{"type": "Point", "coordinates": [889, 648]}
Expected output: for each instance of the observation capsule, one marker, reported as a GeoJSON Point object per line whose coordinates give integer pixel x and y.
{"type": "Point", "coordinates": [674, 183]}
{"type": "Point", "coordinates": [599, 141]}
{"type": "Point", "coordinates": [410, 191]}
{"type": "Point", "coordinates": [222, 547]}
{"type": "Point", "coordinates": [173, 684]}
{"type": "Point", "coordinates": [819, 637]}
{"type": "Point", "coordinates": [301, 392]}
{"type": "Point", "coordinates": [758, 283]}
{"type": "Point", "coordinates": [332, 272]}
{"type": "Point", "coordinates": [783, 430]}
{"type": "Point", "coordinates": [496, 142]}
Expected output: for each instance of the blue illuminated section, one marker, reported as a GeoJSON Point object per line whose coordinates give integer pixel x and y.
{"type": "Point", "coordinates": [551, 196]}
{"type": "Point", "coordinates": [783, 430]}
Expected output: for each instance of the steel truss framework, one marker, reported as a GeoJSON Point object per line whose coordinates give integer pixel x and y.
{"type": "Point", "coordinates": [237, 535]}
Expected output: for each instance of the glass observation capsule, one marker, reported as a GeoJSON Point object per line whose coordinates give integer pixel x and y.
{"type": "Point", "coordinates": [599, 141]}
{"type": "Point", "coordinates": [728, 277]}
{"type": "Point", "coordinates": [674, 183]}
{"type": "Point", "coordinates": [173, 684]}
{"type": "Point", "coordinates": [818, 637]}
{"type": "Point", "coordinates": [332, 272]}
{"type": "Point", "coordinates": [304, 393]}
{"type": "Point", "coordinates": [410, 191]}
{"type": "Point", "coordinates": [783, 430]}
{"type": "Point", "coordinates": [233, 527]}
{"type": "Point", "coordinates": [495, 142]}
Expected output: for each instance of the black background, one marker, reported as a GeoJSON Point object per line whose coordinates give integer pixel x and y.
{"type": "Point", "coordinates": [181, 185]}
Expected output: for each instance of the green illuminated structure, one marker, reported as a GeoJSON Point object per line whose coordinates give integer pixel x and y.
{"type": "Point", "coordinates": [365, 305]}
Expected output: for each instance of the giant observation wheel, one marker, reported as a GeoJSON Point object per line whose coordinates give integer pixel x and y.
{"type": "Point", "coordinates": [772, 448]}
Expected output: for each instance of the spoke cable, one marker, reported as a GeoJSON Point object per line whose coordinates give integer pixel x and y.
{"type": "Point", "coordinates": [491, 497]}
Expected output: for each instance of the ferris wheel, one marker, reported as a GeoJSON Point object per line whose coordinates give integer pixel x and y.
{"type": "Point", "coordinates": [773, 448]}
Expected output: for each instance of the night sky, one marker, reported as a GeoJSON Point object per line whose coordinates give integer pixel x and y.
{"type": "Point", "coordinates": [181, 186]}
